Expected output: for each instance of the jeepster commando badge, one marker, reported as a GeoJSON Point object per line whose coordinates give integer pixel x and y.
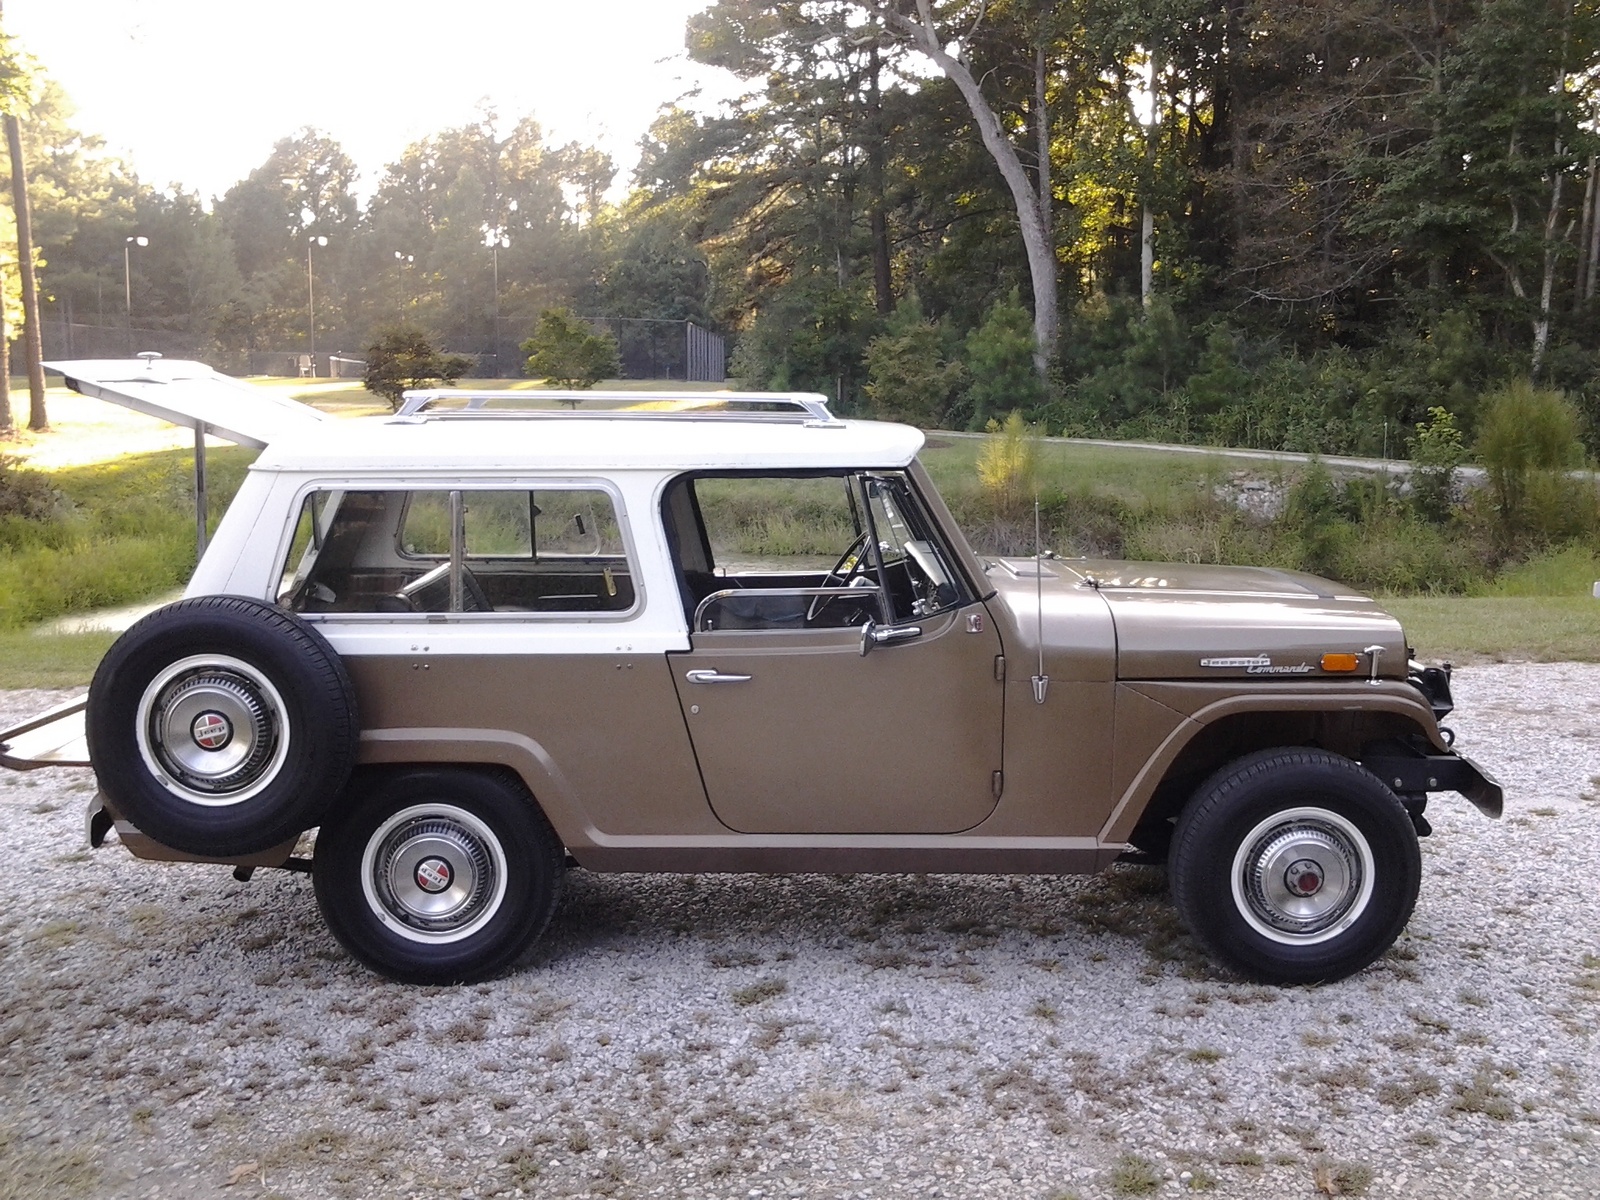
{"type": "Point", "coordinates": [1259, 664]}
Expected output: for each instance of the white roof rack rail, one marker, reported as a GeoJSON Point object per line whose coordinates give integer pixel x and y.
{"type": "Point", "coordinates": [808, 408]}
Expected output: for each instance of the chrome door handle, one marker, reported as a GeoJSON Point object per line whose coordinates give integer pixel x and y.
{"type": "Point", "coordinates": [708, 676]}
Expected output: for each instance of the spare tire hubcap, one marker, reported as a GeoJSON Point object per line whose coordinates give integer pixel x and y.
{"type": "Point", "coordinates": [212, 728]}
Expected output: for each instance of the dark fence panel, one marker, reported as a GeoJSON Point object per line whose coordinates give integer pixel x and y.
{"type": "Point", "coordinates": [647, 348]}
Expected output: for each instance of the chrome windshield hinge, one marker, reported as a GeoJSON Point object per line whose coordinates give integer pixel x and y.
{"type": "Point", "coordinates": [998, 783]}
{"type": "Point", "coordinates": [999, 668]}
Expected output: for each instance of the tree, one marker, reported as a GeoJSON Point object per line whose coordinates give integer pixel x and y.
{"type": "Point", "coordinates": [402, 358]}
{"type": "Point", "coordinates": [1033, 198]}
{"type": "Point", "coordinates": [15, 93]}
{"type": "Point", "coordinates": [564, 352]}
{"type": "Point", "coordinates": [909, 375]}
{"type": "Point", "coordinates": [1000, 356]}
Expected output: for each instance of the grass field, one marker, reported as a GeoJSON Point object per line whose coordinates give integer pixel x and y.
{"type": "Point", "coordinates": [1468, 629]}
{"type": "Point", "coordinates": [41, 660]}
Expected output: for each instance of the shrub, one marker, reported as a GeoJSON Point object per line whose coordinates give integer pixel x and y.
{"type": "Point", "coordinates": [1527, 438]}
{"type": "Point", "coordinates": [24, 493]}
{"type": "Point", "coordinates": [402, 358]}
{"type": "Point", "coordinates": [1008, 466]}
{"type": "Point", "coordinates": [909, 376]}
{"type": "Point", "coordinates": [1000, 361]}
{"type": "Point", "coordinates": [1436, 454]}
{"type": "Point", "coordinates": [1314, 515]}
{"type": "Point", "coordinates": [565, 352]}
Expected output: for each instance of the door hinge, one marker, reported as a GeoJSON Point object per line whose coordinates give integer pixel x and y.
{"type": "Point", "coordinates": [998, 782]}
{"type": "Point", "coordinates": [999, 668]}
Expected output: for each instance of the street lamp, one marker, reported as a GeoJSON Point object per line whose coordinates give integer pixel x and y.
{"type": "Point", "coordinates": [311, 298]}
{"type": "Point", "coordinates": [127, 277]}
{"type": "Point", "coordinates": [400, 261]}
{"type": "Point", "coordinates": [496, 239]}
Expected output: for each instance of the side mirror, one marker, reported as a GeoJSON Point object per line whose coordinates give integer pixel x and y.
{"type": "Point", "coordinates": [873, 634]}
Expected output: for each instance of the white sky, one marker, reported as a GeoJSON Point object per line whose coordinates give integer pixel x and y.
{"type": "Point", "coordinates": [196, 91]}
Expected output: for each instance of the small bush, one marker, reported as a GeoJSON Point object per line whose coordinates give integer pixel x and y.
{"type": "Point", "coordinates": [402, 358]}
{"type": "Point", "coordinates": [761, 989]}
{"type": "Point", "coordinates": [1527, 439]}
{"type": "Point", "coordinates": [1008, 466]}
{"type": "Point", "coordinates": [1436, 454]}
{"type": "Point", "coordinates": [1567, 572]}
{"type": "Point", "coordinates": [567, 354]}
{"type": "Point", "coordinates": [1000, 361]}
{"type": "Point", "coordinates": [24, 493]}
{"type": "Point", "coordinates": [1134, 1176]}
{"type": "Point", "coordinates": [909, 377]}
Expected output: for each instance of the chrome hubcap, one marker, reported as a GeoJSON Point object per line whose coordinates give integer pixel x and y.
{"type": "Point", "coordinates": [1303, 875]}
{"type": "Point", "coordinates": [434, 873]}
{"type": "Point", "coordinates": [212, 729]}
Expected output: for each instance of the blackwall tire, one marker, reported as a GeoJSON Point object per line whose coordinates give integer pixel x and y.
{"type": "Point", "coordinates": [1295, 866]}
{"type": "Point", "coordinates": [438, 875]}
{"type": "Point", "coordinates": [221, 725]}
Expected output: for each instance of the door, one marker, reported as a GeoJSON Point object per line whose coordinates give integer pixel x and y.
{"type": "Point", "coordinates": [797, 731]}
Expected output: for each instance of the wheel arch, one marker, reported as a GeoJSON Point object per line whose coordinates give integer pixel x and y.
{"type": "Point", "coordinates": [521, 756]}
{"type": "Point", "coordinates": [1227, 729]}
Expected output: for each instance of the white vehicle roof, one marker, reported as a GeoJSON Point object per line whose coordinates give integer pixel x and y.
{"type": "Point", "coordinates": [582, 442]}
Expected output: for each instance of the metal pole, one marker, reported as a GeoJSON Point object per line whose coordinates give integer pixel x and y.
{"type": "Point", "coordinates": [127, 294]}
{"type": "Point", "coordinates": [199, 491]}
{"type": "Point", "coordinates": [311, 307]}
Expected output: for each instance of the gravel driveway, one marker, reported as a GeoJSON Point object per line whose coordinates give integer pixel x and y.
{"type": "Point", "coordinates": [165, 1028]}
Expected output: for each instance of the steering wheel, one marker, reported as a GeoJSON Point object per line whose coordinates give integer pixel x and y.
{"type": "Point", "coordinates": [852, 564]}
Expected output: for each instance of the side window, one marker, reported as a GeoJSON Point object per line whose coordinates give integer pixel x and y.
{"type": "Point", "coordinates": [539, 550]}
{"type": "Point", "coordinates": [805, 552]}
{"type": "Point", "coordinates": [766, 525]}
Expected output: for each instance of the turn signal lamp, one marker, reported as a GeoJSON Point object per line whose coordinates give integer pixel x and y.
{"type": "Point", "coordinates": [1341, 662]}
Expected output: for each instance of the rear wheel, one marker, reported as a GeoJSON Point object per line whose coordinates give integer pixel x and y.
{"type": "Point", "coordinates": [1295, 865]}
{"type": "Point", "coordinates": [438, 875]}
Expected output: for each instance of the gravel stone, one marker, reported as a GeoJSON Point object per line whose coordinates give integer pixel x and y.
{"type": "Point", "coordinates": [164, 1028]}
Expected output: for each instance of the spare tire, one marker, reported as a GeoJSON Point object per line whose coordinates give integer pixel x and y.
{"type": "Point", "coordinates": [222, 725]}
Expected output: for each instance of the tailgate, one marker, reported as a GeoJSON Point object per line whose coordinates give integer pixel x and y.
{"type": "Point", "coordinates": [54, 738]}
{"type": "Point", "coordinates": [193, 395]}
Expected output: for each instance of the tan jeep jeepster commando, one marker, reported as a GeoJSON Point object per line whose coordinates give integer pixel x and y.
{"type": "Point", "coordinates": [475, 646]}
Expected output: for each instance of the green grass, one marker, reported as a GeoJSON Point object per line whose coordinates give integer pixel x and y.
{"type": "Point", "coordinates": [1500, 628]}
{"type": "Point", "coordinates": [37, 660]}
{"type": "Point", "coordinates": [1571, 571]}
{"type": "Point", "coordinates": [122, 532]}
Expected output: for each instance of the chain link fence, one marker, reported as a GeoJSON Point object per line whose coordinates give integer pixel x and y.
{"type": "Point", "coordinates": [646, 349]}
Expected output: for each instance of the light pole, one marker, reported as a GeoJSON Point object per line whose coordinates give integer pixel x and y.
{"type": "Point", "coordinates": [311, 298]}
{"type": "Point", "coordinates": [497, 241]}
{"type": "Point", "coordinates": [128, 244]}
{"type": "Point", "coordinates": [400, 261]}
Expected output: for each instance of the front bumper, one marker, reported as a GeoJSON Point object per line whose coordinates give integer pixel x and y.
{"type": "Point", "coordinates": [1410, 771]}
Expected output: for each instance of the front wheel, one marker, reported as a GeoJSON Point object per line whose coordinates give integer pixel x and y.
{"type": "Point", "coordinates": [1295, 865]}
{"type": "Point", "coordinates": [438, 875]}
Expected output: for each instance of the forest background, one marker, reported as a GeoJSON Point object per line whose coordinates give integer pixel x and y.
{"type": "Point", "coordinates": [1334, 226]}
{"type": "Point", "coordinates": [1295, 224]}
